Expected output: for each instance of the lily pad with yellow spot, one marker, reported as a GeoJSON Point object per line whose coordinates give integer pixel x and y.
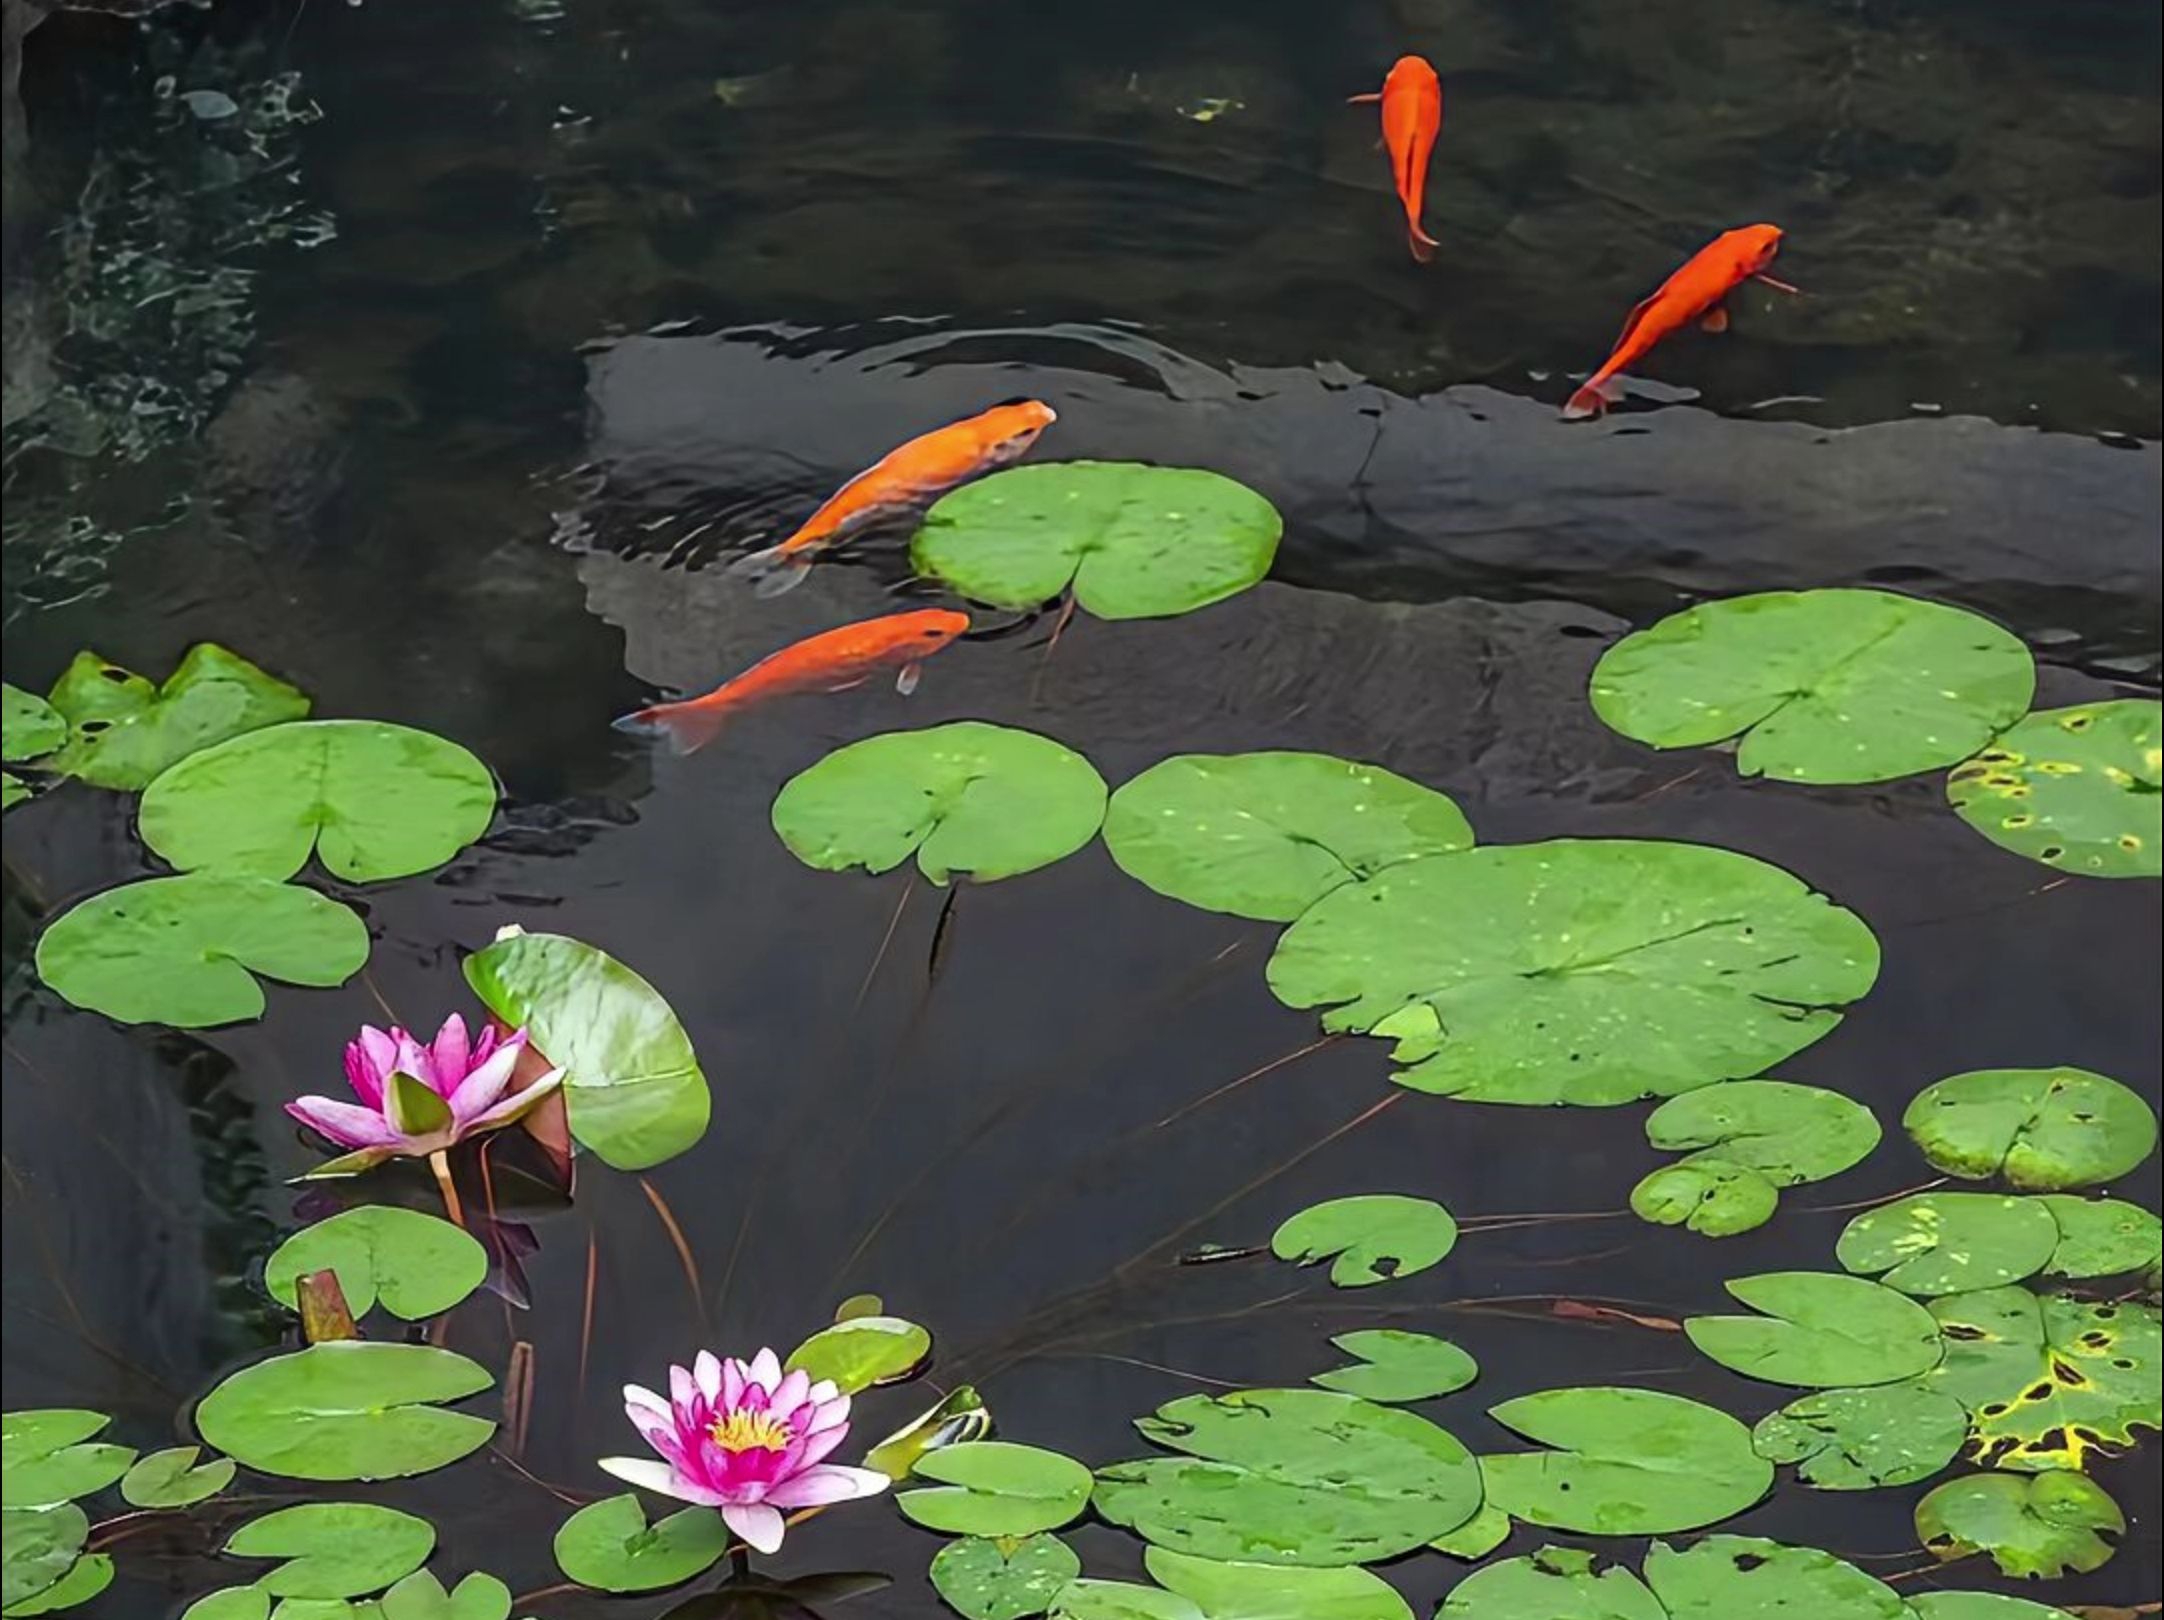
{"type": "Point", "coordinates": [2077, 789]}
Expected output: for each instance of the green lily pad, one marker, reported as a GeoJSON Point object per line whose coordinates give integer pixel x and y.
{"type": "Point", "coordinates": [1134, 542]}
{"type": "Point", "coordinates": [1291, 1476]}
{"type": "Point", "coordinates": [982, 1579]}
{"type": "Point", "coordinates": [1988, 1606]}
{"type": "Point", "coordinates": [609, 1546]}
{"type": "Point", "coordinates": [29, 726]}
{"type": "Point", "coordinates": [1820, 1330]}
{"type": "Point", "coordinates": [1589, 971]}
{"type": "Point", "coordinates": [863, 1351]}
{"type": "Point", "coordinates": [1822, 686]}
{"type": "Point", "coordinates": [1395, 1365]}
{"type": "Point", "coordinates": [47, 1457]}
{"type": "Point", "coordinates": [1267, 835]}
{"type": "Point", "coordinates": [1476, 1537]}
{"type": "Point", "coordinates": [349, 1409]}
{"type": "Point", "coordinates": [185, 951]}
{"type": "Point", "coordinates": [632, 1085]}
{"type": "Point", "coordinates": [2047, 1379]}
{"type": "Point", "coordinates": [88, 1576]}
{"type": "Point", "coordinates": [1950, 1243]}
{"type": "Point", "coordinates": [996, 1488]}
{"type": "Point", "coordinates": [1750, 1578]}
{"type": "Point", "coordinates": [1555, 1583]}
{"type": "Point", "coordinates": [2077, 789]}
{"type": "Point", "coordinates": [126, 731]}
{"type": "Point", "coordinates": [959, 1417]}
{"type": "Point", "coordinates": [38, 1546]}
{"type": "Point", "coordinates": [984, 801]}
{"type": "Point", "coordinates": [231, 1603]}
{"type": "Point", "coordinates": [13, 790]}
{"type": "Point", "coordinates": [1623, 1462]}
{"type": "Point", "coordinates": [334, 1549]}
{"type": "Point", "coordinates": [1861, 1439]}
{"type": "Point", "coordinates": [2038, 1525]}
{"type": "Point", "coordinates": [372, 800]}
{"type": "Point", "coordinates": [2102, 1237]}
{"type": "Point", "coordinates": [414, 1264]}
{"type": "Point", "coordinates": [1707, 1194]}
{"type": "Point", "coordinates": [1242, 1591]}
{"type": "Point", "coordinates": [2044, 1130]}
{"type": "Point", "coordinates": [420, 1596]}
{"type": "Point", "coordinates": [1376, 1237]}
{"type": "Point", "coordinates": [1120, 1600]}
{"type": "Point", "coordinates": [174, 1479]}
{"type": "Point", "coordinates": [1788, 1133]}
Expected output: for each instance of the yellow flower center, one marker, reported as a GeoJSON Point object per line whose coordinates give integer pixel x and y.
{"type": "Point", "coordinates": [751, 1431]}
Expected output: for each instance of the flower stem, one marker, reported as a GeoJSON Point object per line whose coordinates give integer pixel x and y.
{"type": "Point", "coordinates": [440, 1162]}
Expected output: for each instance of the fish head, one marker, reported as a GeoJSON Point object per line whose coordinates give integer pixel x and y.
{"type": "Point", "coordinates": [1755, 247]}
{"type": "Point", "coordinates": [1410, 73]}
{"type": "Point", "coordinates": [926, 631]}
{"type": "Point", "coordinates": [1015, 428]}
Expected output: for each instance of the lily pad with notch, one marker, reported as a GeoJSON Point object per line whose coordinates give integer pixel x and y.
{"type": "Point", "coordinates": [2102, 1237]}
{"type": "Point", "coordinates": [1235, 1590]}
{"type": "Point", "coordinates": [1394, 1366]}
{"type": "Point", "coordinates": [176, 1478]}
{"type": "Point", "coordinates": [1788, 1133]}
{"type": "Point", "coordinates": [1820, 1330]}
{"type": "Point", "coordinates": [1862, 1439]}
{"type": "Point", "coordinates": [1707, 1194]}
{"type": "Point", "coordinates": [2040, 1525]}
{"type": "Point", "coordinates": [49, 1456]}
{"type": "Point", "coordinates": [2078, 789]}
{"type": "Point", "coordinates": [1950, 1242]}
{"type": "Point", "coordinates": [863, 1351]}
{"type": "Point", "coordinates": [334, 1549]}
{"type": "Point", "coordinates": [2043, 1130]}
{"type": "Point", "coordinates": [1376, 1237]}
{"type": "Point", "coordinates": [414, 1264]}
{"type": "Point", "coordinates": [125, 731]}
{"type": "Point", "coordinates": [995, 1488]}
{"type": "Point", "coordinates": [347, 1410]}
{"type": "Point", "coordinates": [609, 1546]}
{"type": "Point", "coordinates": [1555, 1583]}
{"type": "Point", "coordinates": [986, 1579]}
{"type": "Point", "coordinates": [1745, 1577]}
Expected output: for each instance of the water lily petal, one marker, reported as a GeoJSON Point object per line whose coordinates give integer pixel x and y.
{"type": "Point", "coordinates": [361, 1075]}
{"type": "Point", "coordinates": [413, 1059]}
{"type": "Point", "coordinates": [823, 1391]}
{"type": "Point", "coordinates": [650, 1474]}
{"type": "Point", "coordinates": [828, 1414]}
{"type": "Point", "coordinates": [480, 1088]}
{"type": "Point", "coordinates": [794, 1387]}
{"type": "Point", "coordinates": [380, 1050]}
{"type": "Point", "coordinates": [451, 1051]}
{"type": "Point", "coordinates": [734, 1377]}
{"type": "Point", "coordinates": [510, 1110]}
{"type": "Point", "coordinates": [817, 1445]}
{"type": "Point", "coordinates": [347, 1124]}
{"type": "Point", "coordinates": [706, 1369]}
{"type": "Point", "coordinates": [765, 1370]}
{"type": "Point", "coordinates": [643, 1406]}
{"type": "Point", "coordinates": [816, 1487]}
{"type": "Point", "coordinates": [757, 1523]}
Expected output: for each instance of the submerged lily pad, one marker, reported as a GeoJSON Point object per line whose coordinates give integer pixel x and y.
{"type": "Point", "coordinates": [633, 1089]}
{"type": "Point", "coordinates": [983, 801]}
{"type": "Point", "coordinates": [1134, 542]}
{"type": "Point", "coordinates": [2102, 1237]}
{"type": "Point", "coordinates": [609, 1546]}
{"type": "Point", "coordinates": [2039, 1525]}
{"type": "Point", "coordinates": [2047, 1379]}
{"type": "Point", "coordinates": [185, 951]}
{"type": "Point", "coordinates": [2044, 1130]}
{"type": "Point", "coordinates": [1822, 686]}
{"type": "Point", "coordinates": [1267, 835]}
{"type": "Point", "coordinates": [334, 1549]}
{"type": "Point", "coordinates": [414, 1264]}
{"type": "Point", "coordinates": [1225, 1590]}
{"type": "Point", "coordinates": [2079, 789]}
{"type": "Point", "coordinates": [1706, 1194]}
{"type": "Point", "coordinates": [983, 1579]}
{"type": "Point", "coordinates": [173, 1478]}
{"type": "Point", "coordinates": [38, 1546]}
{"type": "Point", "coordinates": [125, 731]}
{"type": "Point", "coordinates": [1820, 1330]}
{"type": "Point", "coordinates": [1291, 1476]}
{"type": "Point", "coordinates": [48, 1457]}
{"type": "Point", "coordinates": [1395, 1365]}
{"type": "Point", "coordinates": [1746, 1577]}
{"type": "Point", "coordinates": [863, 1351]}
{"type": "Point", "coordinates": [1555, 1583]}
{"type": "Point", "coordinates": [1950, 1243]}
{"type": "Point", "coordinates": [1861, 1439]}
{"type": "Point", "coordinates": [1589, 971]}
{"type": "Point", "coordinates": [372, 800]}
{"type": "Point", "coordinates": [1623, 1462]}
{"type": "Point", "coordinates": [996, 1488]}
{"type": "Point", "coordinates": [1788, 1133]}
{"type": "Point", "coordinates": [1376, 1237]}
{"type": "Point", "coordinates": [349, 1409]}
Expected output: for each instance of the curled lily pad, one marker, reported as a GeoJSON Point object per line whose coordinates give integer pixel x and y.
{"type": "Point", "coordinates": [1820, 1330]}
{"type": "Point", "coordinates": [124, 731]}
{"type": "Point", "coordinates": [48, 1457]}
{"type": "Point", "coordinates": [2079, 789]}
{"type": "Point", "coordinates": [1950, 1243]}
{"type": "Point", "coordinates": [1133, 542]}
{"type": "Point", "coordinates": [1291, 1476]}
{"type": "Point", "coordinates": [2102, 1237]}
{"type": "Point", "coordinates": [1120, 1600]}
{"type": "Point", "coordinates": [863, 1351]}
{"type": "Point", "coordinates": [1706, 1194]}
{"type": "Point", "coordinates": [633, 1089]}
{"type": "Point", "coordinates": [1786, 1132]}
{"type": "Point", "coordinates": [1555, 1583]}
{"type": "Point", "coordinates": [958, 1418]}
{"type": "Point", "coordinates": [1821, 686]}
{"type": "Point", "coordinates": [1731, 1577]}
{"type": "Point", "coordinates": [1244, 1591]}
{"type": "Point", "coordinates": [38, 1546]}
{"type": "Point", "coordinates": [2048, 1379]}
{"type": "Point", "coordinates": [984, 801]}
{"type": "Point", "coordinates": [984, 1579]}
{"type": "Point", "coordinates": [186, 951]}
{"type": "Point", "coordinates": [173, 1478]}
{"type": "Point", "coordinates": [1266, 835]}
{"type": "Point", "coordinates": [371, 799]}
{"type": "Point", "coordinates": [609, 1546]}
{"type": "Point", "coordinates": [86, 1578]}
{"type": "Point", "coordinates": [2044, 1130]}
{"type": "Point", "coordinates": [1376, 1237]}
{"type": "Point", "coordinates": [1861, 1439]}
{"type": "Point", "coordinates": [334, 1549]}
{"type": "Point", "coordinates": [1591, 971]}
{"type": "Point", "coordinates": [349, 1409]}
{"type": "Point", "coordinates": [1623, 1462]}
{"type": "Point", "coordinates": [2038, 1525]}
{"type": "Point", "coordinates": [413, 1263]}
{"type": "Point", "coordinates": [1395, 1365]}
{"type": "Point", "coordinates": [996, 1488]}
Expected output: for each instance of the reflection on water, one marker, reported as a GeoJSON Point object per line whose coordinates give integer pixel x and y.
{"type": "Point", "coordinates": [616, 290]}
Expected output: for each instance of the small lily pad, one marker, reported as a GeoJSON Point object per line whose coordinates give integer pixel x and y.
{"type": "Point", "coordinates": [984, 1579]}
{"type": "Point", "coordinates": [2038, 1525]}
{"type": "Point", "coordinates": [1244, 1591]}
{"type": "Point", "coordinates": [1786, 1132]}
{"type": "Point", "coordinates": [125, 731]}
{"type": "Point", "coordinates": [1395, 1366]}
{"type": "Point", "coordinates": [1950, 1243]}
{"type": "Point", "coordinates": [2044, 1130]}
{"type": "Point", "coordinates": [414, 1264]}
{"type": "Point", "coordinates": [863, 1351]}
{"type": "Point", "coordinates": [334, 1549]}
{"type": "Point", "coordinates": [1707, 1194]}
{"type": "Point", "coordinates": [2102, 1237]}
{"type": "Point", "coordinates": [1376, 1237]}
{"type": "Point", "coordinates": [996, 1488]}
{"type": "Point", "coordinates": [1735, 1577]}
{"type": "Point", "coordinates": [1555, 1583]}
{"type": "Point", "coordinates": [1820, 1330]}
{"type": "Point", "coordinates": [1861, 1439]}
{"type": "Point", "coordinates": [349, 1409]}
{"type": "Point", "coordinates": [48, 1457]}
{"type": "Point", "coordinates": [173, 1478]}
{"type": "Point", "coordinates": [2078, 789]}
{"type": "Point", "coordinates": [609, 1546]}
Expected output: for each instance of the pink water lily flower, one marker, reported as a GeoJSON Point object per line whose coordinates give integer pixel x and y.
{"type": "Point", "coordinates": [747, 1438]}
{"type": "Point", "coordinates": [415, 1100]}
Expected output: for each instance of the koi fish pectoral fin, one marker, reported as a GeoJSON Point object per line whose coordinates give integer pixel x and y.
{"type": "Point", "coordinates": [905, 681]}
{"type": "Point", "coordinates": [1777, 286]}
{"type": "Point", "coordinates": [1359, 100]}
{"type": "Point", "coordinates": [1715, 320]}
{"type": "Point", "coordinates": [774, 570]}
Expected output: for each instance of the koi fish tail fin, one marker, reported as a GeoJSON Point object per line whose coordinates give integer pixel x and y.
{"type": "Point", "coordinates": [685, 727]}
{"type": "Point", "coordinates": [1594, 398]}
{"type": "Point", "coordinates": [773, 570]}
{"type": "Point", "coordinates": [1422, 244]}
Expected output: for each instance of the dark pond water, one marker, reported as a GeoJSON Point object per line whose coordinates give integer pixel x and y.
{"type": "Point", "coordinates": [439, 405]}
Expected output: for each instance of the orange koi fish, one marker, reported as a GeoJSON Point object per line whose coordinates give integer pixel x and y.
{"type": "Point", "coordinates": [1694, 293]}
{"type": "Point", "coordinates": [832, 661]}
{"type": "Point", "coordinates": [923, 468]}
{"type": "Point", "coordinates": [1412, 98]}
